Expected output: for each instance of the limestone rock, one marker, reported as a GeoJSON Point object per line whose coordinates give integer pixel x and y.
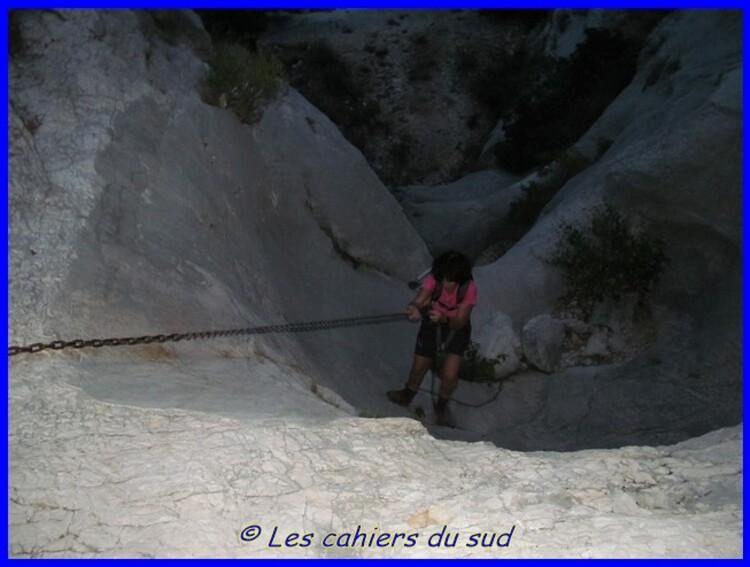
{"type": "Point", "coordinates": [542, 339]}
{"type": "Point", "coordinates": [498, 339]}
{"type": "Point", "coordinates": [279, 221]}
{"type": "Point", "coordinates": [597, 345]}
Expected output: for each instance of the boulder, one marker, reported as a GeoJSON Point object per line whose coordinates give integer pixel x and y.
{"type": "Point", "coordinates": [542, 339]}
{"type": "Point", "coordinates": [498, 339]}
{"type": "Point", "coordinates": [596, 346]}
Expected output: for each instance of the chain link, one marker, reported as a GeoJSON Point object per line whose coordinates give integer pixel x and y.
{"type": "Point", "coordinates": [176, 337]}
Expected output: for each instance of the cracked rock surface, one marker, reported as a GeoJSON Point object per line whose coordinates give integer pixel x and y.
{"type": "Point", "coordinates": [93, 479]}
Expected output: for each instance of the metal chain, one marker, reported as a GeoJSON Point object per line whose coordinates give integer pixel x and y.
{"type": "Point", "coordinates": [176, 337]}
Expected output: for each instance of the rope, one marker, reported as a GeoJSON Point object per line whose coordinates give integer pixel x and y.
{"type": "Point", "coordinates": [480, 404]}
{"type": "Point", "coordinates": [176, 337]}
{"type": "Point", "coordinates": [458, 402]}
{"type": "Point", "coordinates": [435, 371]}
{"type": "Point", "coordinates": [283, 328]}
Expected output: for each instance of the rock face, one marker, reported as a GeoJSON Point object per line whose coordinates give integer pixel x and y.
{"type": "Point", "coordinates": [136, 208]}
{"type": "Point", "coordinates": [462, 215]}
{"type": "Point", "coordinates": [404, 88]}
{"type": "Point", "coordinates": [673, 168]}
{"type": "Point", "coordinates": [281, 222]}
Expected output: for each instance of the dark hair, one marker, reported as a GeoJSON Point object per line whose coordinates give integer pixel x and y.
{"type": "Point", "coordinates": [452, 266]}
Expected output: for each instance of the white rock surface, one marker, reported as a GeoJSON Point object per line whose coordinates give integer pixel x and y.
{"type": "Point", "coordinates": [93, 479]}
{"type": "Point", "coordinates": [135, 208]}
{"type": "Point", "coordinates": [172, 216]}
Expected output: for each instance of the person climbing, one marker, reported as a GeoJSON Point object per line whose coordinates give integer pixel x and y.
{"type": "Point", "coordinates": [443, 303]}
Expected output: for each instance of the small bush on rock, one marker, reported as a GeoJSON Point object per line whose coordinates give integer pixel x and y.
{"type": "Point", "coordinates": [474, 366]}
{"type": "Point", "coordinates": [369, 413]}
{"type": "Point", "coordinates": [608, 259]}
{"type": "Point", "coordinates": [242, 81]}
{"type": "Point", "coordinates": [477, 368]}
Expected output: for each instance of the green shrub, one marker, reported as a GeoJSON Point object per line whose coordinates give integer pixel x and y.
{"type": "Point", "coordinates": [242, 81]}
{"type": "Point", "coordinates": [369, 413]}
{"type": "Point", "coordinates": [477, 368]}
{"type": "Point", "coordinates": [474, 366]}
{"type": "Point", "coordinates": [608, 259]}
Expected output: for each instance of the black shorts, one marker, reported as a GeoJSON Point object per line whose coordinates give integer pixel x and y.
{"type": "Point", "coordinates": [427, 339]}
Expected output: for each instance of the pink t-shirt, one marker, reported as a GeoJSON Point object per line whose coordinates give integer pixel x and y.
{"type": "Point", "coordinates": [446, 303]}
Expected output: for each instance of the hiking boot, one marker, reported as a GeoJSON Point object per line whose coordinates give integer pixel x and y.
{"type": "Point", "coordinates": [441, 412]}
{"type": "Point", "coordinates": [401, 397]}
{"type": "Point", "coordinates": [444, 420]}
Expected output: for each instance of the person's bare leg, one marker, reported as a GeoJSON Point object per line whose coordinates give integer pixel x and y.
{"type": "Point", "coordinates": [419, 367]}
{"type": "Point", "coordinates": [448, 383]}
{"type": "Point", "coordinates": [449, 375]}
